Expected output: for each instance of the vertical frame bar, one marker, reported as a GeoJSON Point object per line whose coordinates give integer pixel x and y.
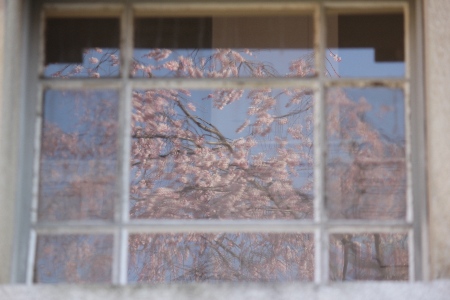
{"type": "Point", "coordinates": [321, 236]}
{"type": "Point", "coordinates": [408, 119]}
{"type": "Point", "coordinates": [121, 216]}
{"type": "Point", "coordinates": [35, 188]}
{"type": "Point", "coordinates": [412, 270]}
{"type": "Point", "coordinates": [40, 19]}
{"type": "Point", "coordinates": [418, 142]}
{"type": "Point", "coordinates": [28, 143]}
{"type": "Point", "coordinates": [31, 257]}
{"type": "Point", "coordinates": [38, 122]}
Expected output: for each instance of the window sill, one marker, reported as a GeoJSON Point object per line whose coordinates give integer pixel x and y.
{"type": "Point", "coordinates": [435, 290]}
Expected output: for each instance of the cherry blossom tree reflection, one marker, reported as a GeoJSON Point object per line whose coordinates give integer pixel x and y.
{"type": "Point", "coordinates": [221, 257]}
{"type": "Point", "coordinates": [368, 256]}
{"type": "Point", "coordinates": [186, 167]}
{"type": "Point", "coordinates": [232, 154]}
{"type": "Point", "coordinates": [78, 164]}
{"type": "Point", "coordinates": [366, 163]}
{"type": "Point", "coordinates": [190, 161]}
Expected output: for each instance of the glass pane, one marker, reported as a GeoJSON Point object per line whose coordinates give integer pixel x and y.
{"type": "Point", "coordinates": [82, 47]}
{"type": "Point", "coordinates": [221, 257]}
{"type": "Point", "coordinates": [222, 154]}
{"type": "Point", "coordinates": [218, 47]}
{"type": "Point", "coordinates": [365, 167]}
{"type": "Point", "coordinates": [74, 259]}
{"type": "Point", "coordinates": [366, 45]}
{"type": "Point", "coordinates": [371, 256]}
{"type": "Point", "coordinates": [78, 155]}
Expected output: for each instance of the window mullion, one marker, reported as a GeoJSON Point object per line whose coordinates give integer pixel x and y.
{"type": "Point", "coordinates": [28, 275]}
{"type": "Point", "coordinates": [417, 140]}
{"type": "Point", "coordinates": [120, 254]}
{"type": "Point", "coordinates": [32, 243]}
{"type": "Point", "coordinates": [321, 235]}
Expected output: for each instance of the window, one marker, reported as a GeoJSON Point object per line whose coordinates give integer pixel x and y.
{"type": "Point", "coordinates": [219, 142]}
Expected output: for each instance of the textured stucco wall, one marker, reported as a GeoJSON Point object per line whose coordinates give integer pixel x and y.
{"type": "Point", "coordinates": [438, 290]}
{"type": "Point", "coordinates": [437, 59]}
{"type": "Point", "coordinates": [5, 209]}
{"type": "Point", "coordinates": [2, 37]}
{"type": "Point", "coordinates": [10, 107]}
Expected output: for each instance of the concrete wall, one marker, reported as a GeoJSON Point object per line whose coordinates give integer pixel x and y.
{"type": "Point", "coordinates": [11, 67]}
{"type": "Point", "coordinates": [5, 207]}
{"type": "Point", "coordinates": [439, 290]}
{"type": "Point", "coordinates": [437, 41]}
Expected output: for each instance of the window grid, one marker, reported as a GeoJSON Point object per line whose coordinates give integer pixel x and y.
{"type": "Point", "coordinates": [121, 227]}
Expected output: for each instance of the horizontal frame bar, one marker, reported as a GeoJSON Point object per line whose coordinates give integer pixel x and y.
{"type": "Point", "coordinates": [74, 10]}
{"type": "Point", "coordinates": [349, 7]}
{"type": "Point", "coordinates": [222, 9]}
{"type": "Point", "coordinates": [227, 83]}
{"type": "Point", "coordinates": [367, 82]}
{"type": "Point", "coordinates": [213, 83]}
{"type": "Point", "coordinates": [85, 84]}
{"type": "Point", "coordinates": [180, 226]}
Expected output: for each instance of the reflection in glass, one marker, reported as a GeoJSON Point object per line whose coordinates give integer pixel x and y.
{"type": "Point", "coordinates": [218, 47]}
{"type": "Point", "coordinates": [74, 259]}
{"type": "Point", "coordinates": [371, 256]}
{"type": "Point", "coordinates": [365, 45]}
{"type": "Point", "coordinates": [82, 47]}
{"type": "Point", "coordinates": [221, 257]}
{"type": "Point", "coordinates": [365, 167]}
{"type": "Point", "coordinates": [214, 154]}
{"type": "Point", "coordinates": [78, 155]}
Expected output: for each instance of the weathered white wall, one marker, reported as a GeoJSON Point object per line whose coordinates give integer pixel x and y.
{"type": "Point", "coordinates": [439, 290]}
{"type": "Point", "coordinates": [2, 38]}
{"type": "Point", "coordinates": [5, 205]}
{"type": "Point", "coordinates": [437, 49]}
{"type": "Point", "coordinates": [11, 64]}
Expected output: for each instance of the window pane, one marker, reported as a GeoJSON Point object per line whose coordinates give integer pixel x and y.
{"type": "Point", "coordinates": [78, 155]}
{"type": "Point", "coordinates": [366, 45]}
{"type": "Point", "coordinates": [82, 47]}
{"type": "Point", "coordinates": [74, 259]}
{"type": "Point", "coordinates": [218, 47]}
{"type": "Point", "coordinates": [365, 167]}
{"type": "Point", "coordinates": [221, 257]}
{"type": "Point", "coordinates": [368, 257]}
{"type": "Point", "coordinates": [215, 154]}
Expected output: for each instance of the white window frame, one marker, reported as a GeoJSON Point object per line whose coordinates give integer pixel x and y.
{"type": "Point", "coordinates": [121, 227]}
